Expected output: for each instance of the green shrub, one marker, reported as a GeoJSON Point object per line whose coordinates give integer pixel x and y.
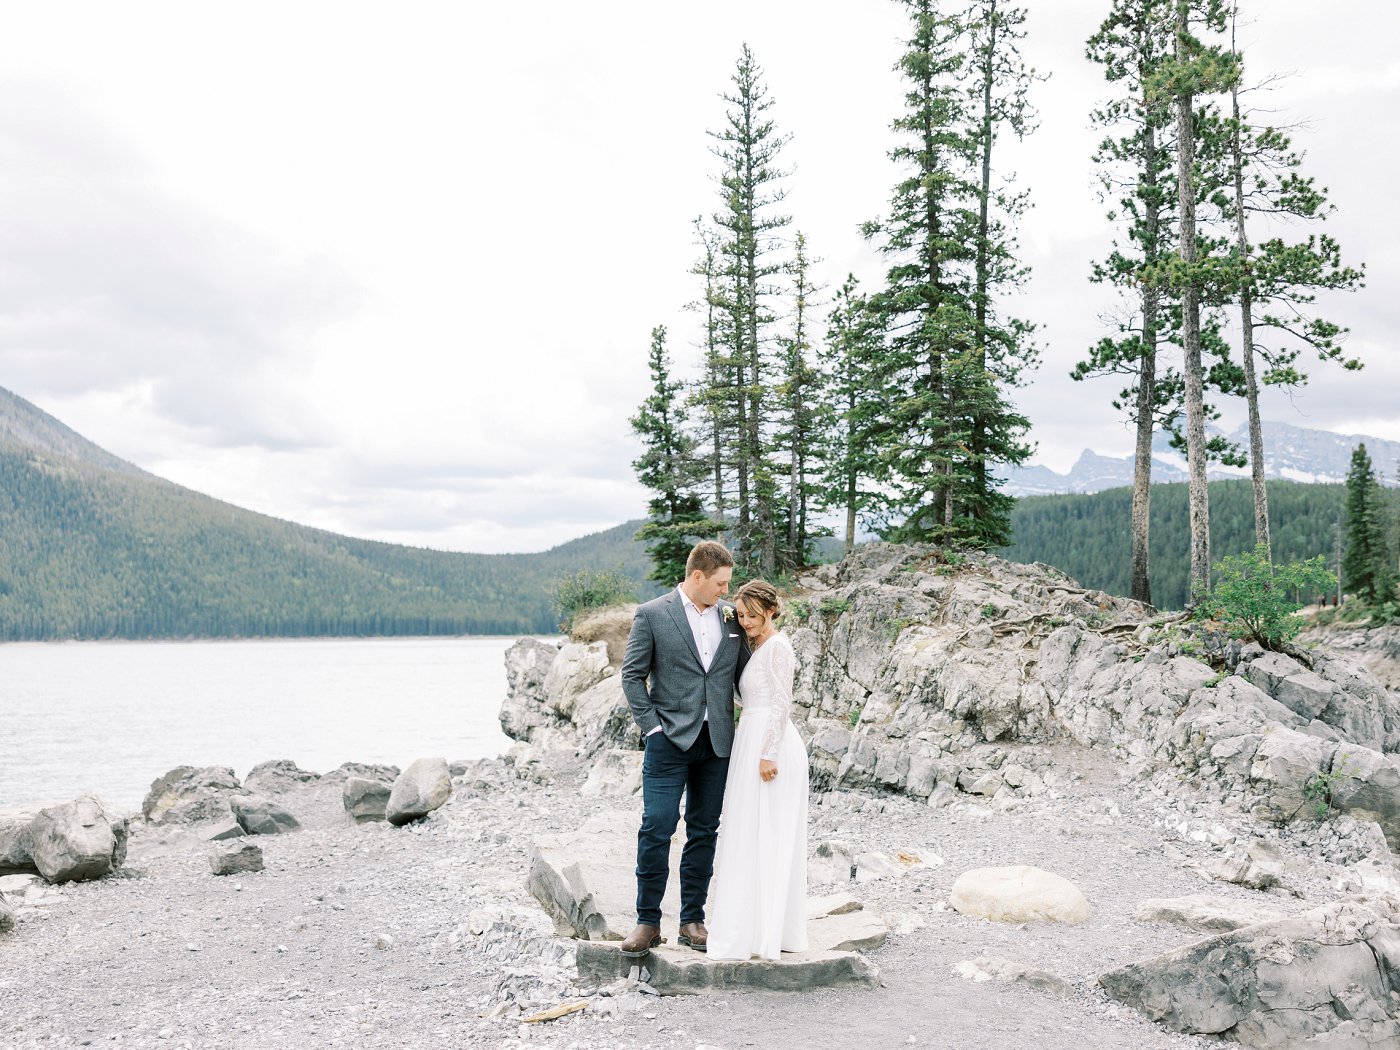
{"type": "Point", "coordinates": [588, 589]}
{"type": "Point", "coordinates": [1251, 597]}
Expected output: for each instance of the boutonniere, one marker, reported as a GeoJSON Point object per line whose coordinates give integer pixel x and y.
{"type": "Point", "coordinates": [727, 612]}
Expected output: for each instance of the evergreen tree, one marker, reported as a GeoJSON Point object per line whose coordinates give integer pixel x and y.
{"type": "Point", "coordinates": [717, 396]}
{"type": "Point", "coordinates": [1265, 178]}
{"type": "Point", "coordinates": [748, 145]}
{"type": "Point", "coordinates": [848, 356]}
{"type": "Point", "coordinates": [1196, 69]}
{"type": "Point", "coordinates": [669, 467]}
{"type": "Point", "coordinates": [798, 393]}
{"type": "Point", "coordinates": [1136, 174]}
{"type": "Point", "coordinates": [1366, 564]}
{"type": "Point", "coordinates": [997, 83]}
{"type": "Point", "coordinates": [933, 387]}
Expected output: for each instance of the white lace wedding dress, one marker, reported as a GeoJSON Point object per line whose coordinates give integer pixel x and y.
{"type": "Point", "coordinates": [759, 904]}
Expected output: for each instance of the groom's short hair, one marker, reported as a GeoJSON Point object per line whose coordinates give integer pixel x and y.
{"type": "Point", "coordinates": [707, 556]}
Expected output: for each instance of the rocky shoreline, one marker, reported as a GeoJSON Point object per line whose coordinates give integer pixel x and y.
{"type": "Point", "coordinates": [963, 720]}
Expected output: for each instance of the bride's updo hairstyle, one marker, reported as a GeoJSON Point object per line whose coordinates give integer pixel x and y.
{"type": "Point", "coordinates": [759, 597]}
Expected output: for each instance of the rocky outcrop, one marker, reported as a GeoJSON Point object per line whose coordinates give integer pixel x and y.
{"type": "Point", "coordinates": [278, 776]}
{"type": "Point", "coordinates": [202, 798]}
{"type": "Point", "coordinates": [1330, 976]}
{"type": "Point", "coordinates": [566, 697]}
{"type": "Point", "coordinates": [1018, 893]}
{"type": "Point", "coordinates": [1376, 648]}
{"type": "Point", "coordinates": [421, 788]}
{"type": "Point", "coordinates": [235, 858]}
{"type": "Point", "coordinates": [935, 679]}
{"type": "Point", "coordinates": [915, 674]}
{"type": "Point", "coordinates": [364, 770]}
{"type": "Point", "coordinates": [78, 840]}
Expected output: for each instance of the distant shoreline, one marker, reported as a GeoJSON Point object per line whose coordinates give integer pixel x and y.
{"type": "Point", "coordinates": [7, 643]}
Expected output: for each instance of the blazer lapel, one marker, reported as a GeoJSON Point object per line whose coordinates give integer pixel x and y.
{"type": "Point", "coordinates": [682, 623]}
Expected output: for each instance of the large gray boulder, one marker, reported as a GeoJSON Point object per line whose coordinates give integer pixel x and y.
{"type": "Point", "coordinates": [187, 795]}
{"type": "Point", "coordinates": [15, 854]}
{"type": "Point", "coordinates": [78, 840]}
{"type": "Point", "coordinates": [421, 788]}
{"type": "Point", "coordinates": [366, 800]}
{"type": "Point", "coordinates": [1327, 977]}
{"type": "Point", "coordinates": [262, 816]}
{"type": "Point", "coordinates": [7, 914]}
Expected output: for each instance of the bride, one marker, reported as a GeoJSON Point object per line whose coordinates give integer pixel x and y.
{"type": "Point", "coordinates": [760, 896]}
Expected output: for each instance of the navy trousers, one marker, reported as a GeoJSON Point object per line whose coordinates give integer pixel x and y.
{"type": "Point", "coordinates": [668, 773]}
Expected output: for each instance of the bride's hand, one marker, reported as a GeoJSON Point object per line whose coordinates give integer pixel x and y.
{"type": "Point", "coordinates": [767, 770]}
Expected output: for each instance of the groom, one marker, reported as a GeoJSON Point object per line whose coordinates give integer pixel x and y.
{"type": "Point", "coordinates": [684, 656]}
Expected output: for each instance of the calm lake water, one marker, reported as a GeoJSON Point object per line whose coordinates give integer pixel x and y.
{"type": "Point", "coordinates": [110, 717]}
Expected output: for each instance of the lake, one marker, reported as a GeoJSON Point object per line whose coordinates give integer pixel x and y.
{"type": "Point", "coordinates": [110, 717]}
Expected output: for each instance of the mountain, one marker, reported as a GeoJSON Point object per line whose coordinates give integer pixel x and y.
{"type": "Point", "coordinates": [94, 547]}
{"type": "Point", "coordinates": [1088, 536]}
{"type": "Point", "coordinates": [1291, 453]}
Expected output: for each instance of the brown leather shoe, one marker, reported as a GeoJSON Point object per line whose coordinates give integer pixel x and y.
{"type": "Point", "coordinates": [694, 935]}
{"type": "Point", "coordinates": [642, 940]}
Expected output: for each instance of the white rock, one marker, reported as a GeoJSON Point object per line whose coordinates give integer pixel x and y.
{"type": "Point", "coordinates": [1018, 893]}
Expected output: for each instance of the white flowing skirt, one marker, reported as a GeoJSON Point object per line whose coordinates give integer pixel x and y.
{"type": "Point", "coordinates": [759, 901]}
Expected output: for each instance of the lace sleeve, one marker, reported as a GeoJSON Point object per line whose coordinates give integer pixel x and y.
{"type": "Point", "coordinates": [781, 667]}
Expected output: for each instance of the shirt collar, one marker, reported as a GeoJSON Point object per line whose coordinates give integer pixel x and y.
{"type": "Point", "coordinates": [690, 604]}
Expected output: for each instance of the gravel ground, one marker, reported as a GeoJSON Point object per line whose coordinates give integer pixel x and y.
{"type": "Point", "coordinates": [423, 936]}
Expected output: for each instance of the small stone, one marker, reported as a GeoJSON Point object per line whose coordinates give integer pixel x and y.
{"type": "Point", "coordinates": [235, 858]}
{"type": "Point", "coordinates": [383, 941]}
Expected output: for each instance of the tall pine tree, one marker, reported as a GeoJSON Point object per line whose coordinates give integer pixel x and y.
{"type": "Point", "coordinates": [1136, 175]}
{"type": "Point", "coordinates": [749, 145]}
{"type": "Point", "coordinates": [936, 393]}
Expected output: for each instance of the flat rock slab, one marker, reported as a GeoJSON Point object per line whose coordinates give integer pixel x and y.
{"type": "Point", "coordinates": [1203, 912]}
{"type": "Point", "coordinates": [683, 971]}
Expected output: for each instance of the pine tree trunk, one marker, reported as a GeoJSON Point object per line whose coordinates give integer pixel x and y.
{"type": "Point", "coordinates": [1256, 429]}
{"type": "Point", "coordinates": [1197, 490]}
{"type": "Point", "coordinates": [850, 472]}
{"type": "Point", "coordinates": [1142, 451]}
{"type": "Point", "coordinates": [983, 263]}
{"type": "Point", "coordinates": [1147, 375]}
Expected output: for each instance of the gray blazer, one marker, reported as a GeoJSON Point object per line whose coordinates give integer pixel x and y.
{"type": "Point", "coordinates": [661, 648]}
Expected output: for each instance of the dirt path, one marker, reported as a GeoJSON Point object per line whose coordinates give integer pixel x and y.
{"type": "Point", "coordinates": [418, 937]}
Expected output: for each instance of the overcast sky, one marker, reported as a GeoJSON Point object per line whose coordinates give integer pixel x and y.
{"type": "Point", "coordinates": [390, 269]}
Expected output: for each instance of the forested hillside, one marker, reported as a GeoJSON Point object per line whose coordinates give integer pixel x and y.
{"type": "Point", "coordinates": [92, 547]}
{"type": "Point", "coordinates": [1088, 536]}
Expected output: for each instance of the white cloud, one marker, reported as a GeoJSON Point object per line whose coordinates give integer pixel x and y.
{"type": "Point", "coordinates": [392, 270]}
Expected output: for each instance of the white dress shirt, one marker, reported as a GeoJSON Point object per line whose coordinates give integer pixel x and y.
{"type": "Point", "coordinates": [705, 626]}
{"type": "Point", "coordinates": [708, 631]}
